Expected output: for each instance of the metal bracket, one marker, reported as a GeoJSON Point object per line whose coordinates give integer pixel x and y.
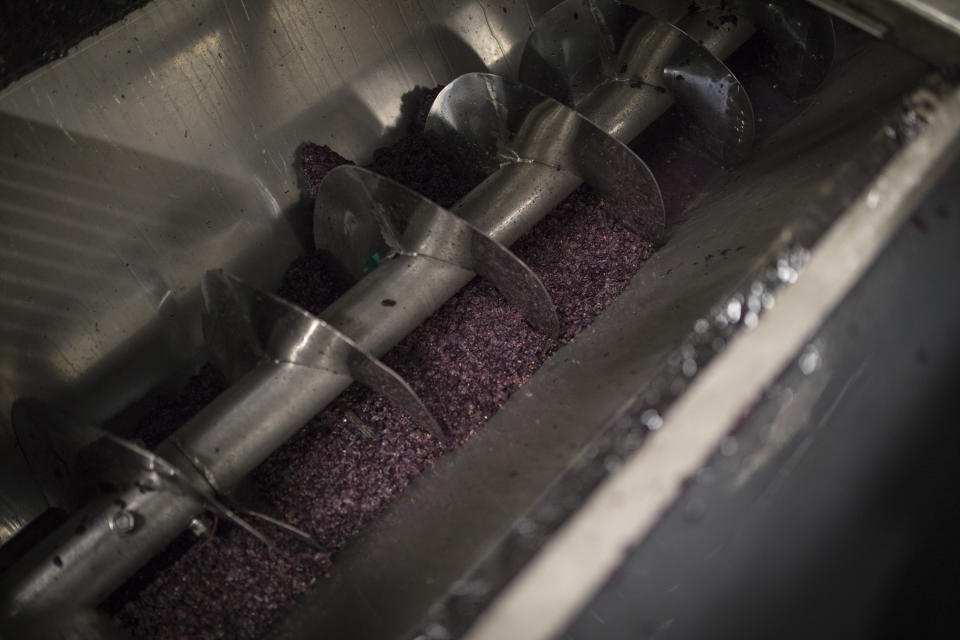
{"type": "Point", "coordinates": [82, 452]}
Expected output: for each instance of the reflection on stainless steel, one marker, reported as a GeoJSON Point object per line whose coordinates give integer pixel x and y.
{"type": "Point", "coordinates": [928, 28]}
{"type": "Point", "coordinates": [245, 326]}
{"type": "Point", "coordinates": [495, 482]}
{"type": "Point", "coordinates": [163, 147]}
{"type": "Point", "coordinates": [97, 463]}
{"type": "Point", "coordinates": [798, 40]}
{"type": "Point", "coordinates": [360, 214]}
{"type": "Point", "coordinates": [121, 461]}
{"type": "Point", "coordinates": [497, 122]}
{"type": "Point", "coordinates": [174, 156]}
{"type": "Point", "coordinates": [261, 410]}
{"type": "Point", "coordinates": [571, 57]}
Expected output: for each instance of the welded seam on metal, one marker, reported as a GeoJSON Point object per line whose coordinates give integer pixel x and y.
{"type": "Point", "coordinates": [560, 581]}
{"type": "Point", "coordinates": [500, 121]}
{"type": "Point", "coordinates": [26, 585]}
{"type": "Point", "coordinates": [243, 323]}
{"type": "Point", "coordinates": [386, 217]}
{"type": "Point", "coordinates": [713, 97]}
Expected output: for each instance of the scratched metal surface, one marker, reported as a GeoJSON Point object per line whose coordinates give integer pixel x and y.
{"type": "Point", "coordinates": [164, 147]}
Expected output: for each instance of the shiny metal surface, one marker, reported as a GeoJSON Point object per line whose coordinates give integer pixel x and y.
{"type": "Point", "coordinates": [578, 47]}
{"type": "Point", "coordinates": [271, 399]}
{"type": "Point", "coordinates": [488, 486]}
{"type": "Point", "coordinates": [122, 461]}
{"type": "Point", "coordinates": [360, 214]}
{"type": "Point", "coordinates": [163, 147]}
{"type": "Point", "coordinates": [799, 39]}
{"type": "Point", "coordinates": [98, 462]}
{"type": "Point", "coordinates": [495, 121]}
{"type": "Point", "coordinates": [245, 326]}
{"type": "Point", "coordinates": [236, 432]}
{"type": "Point", "coordinates": [74, 569]}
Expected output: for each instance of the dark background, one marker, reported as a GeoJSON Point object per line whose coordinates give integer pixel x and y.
{"type": "Point", "coordinates": [34, 32]}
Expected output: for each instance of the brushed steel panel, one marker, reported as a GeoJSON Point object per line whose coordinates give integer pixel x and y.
{"type": "Point", "coordinates": [165, 146]}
